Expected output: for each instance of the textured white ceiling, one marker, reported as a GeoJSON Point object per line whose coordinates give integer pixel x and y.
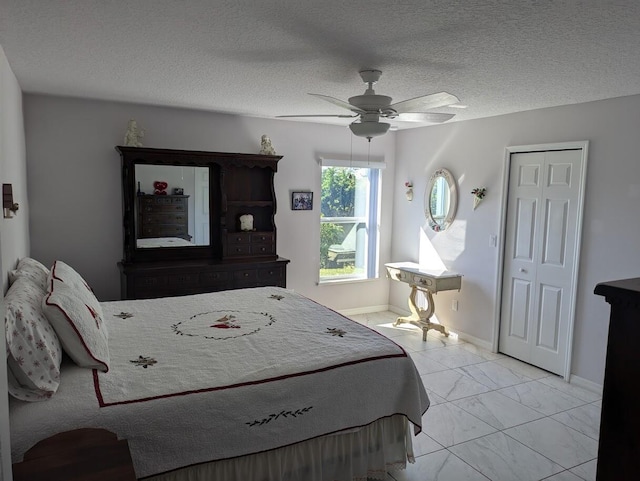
{"type": "Point", "coordinates": [262, 57]}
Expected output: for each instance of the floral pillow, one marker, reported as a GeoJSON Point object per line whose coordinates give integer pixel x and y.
{"type": "Point", "coordinates": [30, 268]}
{"type": "Point", "coordinates": [33, 348]}
{"type": "Point", "coordinates": [79, 323]}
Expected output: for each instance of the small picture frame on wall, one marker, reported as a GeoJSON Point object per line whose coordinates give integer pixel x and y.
{"type": "Point", "coordinates": [302, 201]}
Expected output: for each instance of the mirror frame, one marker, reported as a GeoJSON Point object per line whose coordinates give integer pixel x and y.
{"type": "Point", "coordinates": [132, 156]}
{"type": "Point", "coordinates": [453, 200]}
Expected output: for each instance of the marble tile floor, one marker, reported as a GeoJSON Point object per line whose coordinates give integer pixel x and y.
{"type": "Point", "coordinates": [493, 417]}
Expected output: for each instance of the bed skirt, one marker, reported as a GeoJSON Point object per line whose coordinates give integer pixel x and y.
{"type": "Point", "coordinates": [356, 455]}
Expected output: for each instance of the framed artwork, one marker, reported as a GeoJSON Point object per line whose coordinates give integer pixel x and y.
{"type": "Point", "coordinates": [302, 201]}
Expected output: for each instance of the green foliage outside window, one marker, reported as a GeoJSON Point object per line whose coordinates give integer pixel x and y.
{"type": "Point", "coordinates": [338, 192]}
{"type": "Point", "coordinates": [330, 234]}
{"type": "Point", "coordinates": [337, 200]}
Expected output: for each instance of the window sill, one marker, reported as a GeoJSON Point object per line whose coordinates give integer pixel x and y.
{"type": "Point", "coordinates": [333, 282]}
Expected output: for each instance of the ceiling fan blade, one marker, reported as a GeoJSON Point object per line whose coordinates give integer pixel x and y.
{"type": "Point", "coordinates": [340, 103]}
{"type": "Point", "coordinates": [432, 117]}
{"type": "Point", "coordinates": [426, 102]}
{"type": "Point", "coordinates": [319, 115]}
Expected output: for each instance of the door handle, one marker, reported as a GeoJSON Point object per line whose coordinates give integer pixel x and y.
{"type": "Point", "coordinates": [522, 269]}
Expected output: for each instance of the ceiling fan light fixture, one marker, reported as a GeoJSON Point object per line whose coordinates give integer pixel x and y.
{"type": "Point", "coordinates": [369, 129]}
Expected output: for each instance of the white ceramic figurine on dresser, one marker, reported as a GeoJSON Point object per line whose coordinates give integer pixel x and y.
{"type": "Point", "coordinates": [265, 146]}
{"type": "Point", "coordinates": [133, 135]}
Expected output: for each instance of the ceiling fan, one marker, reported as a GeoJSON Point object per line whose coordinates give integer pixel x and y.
{"type": "Point", "coordinates": [370, 107]}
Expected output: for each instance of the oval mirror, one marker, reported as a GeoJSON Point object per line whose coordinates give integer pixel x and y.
{"type": "Point", "coordinates": [441, 200]}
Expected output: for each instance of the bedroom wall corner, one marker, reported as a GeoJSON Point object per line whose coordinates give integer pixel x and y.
{"type": "Point", "coordinates": [14, 233]}
{"type": "Point", "coordinates": [13, 169]}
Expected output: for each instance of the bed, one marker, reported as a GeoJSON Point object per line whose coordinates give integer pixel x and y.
{"type": "Point", "coordinates": [258, 383]}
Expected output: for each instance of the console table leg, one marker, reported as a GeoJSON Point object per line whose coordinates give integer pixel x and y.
{"type": "Point", "coordinates": [421, 317]}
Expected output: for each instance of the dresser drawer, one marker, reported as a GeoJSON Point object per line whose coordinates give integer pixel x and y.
{"type": "Point", "coordinates": [400, 275]}
{"type": "Point", "coordinates": [183, 280]}
{"type": "Point", "coordinates": [238, 250]}
{"type": "Point", "coordinates": [262, 238]}
{"type": "Point", "coordinates": [213, 278]}
{"type": "Point", "coordinates": [262, 249]}
{"type": "Point", "coordinates": [150, 282]}
{"type": "Point", "coordinates": [161, 218]}
{"type": "Point", "coordinates": [246, 275]}
{"type": "Point", "coordinates": [271, 275]}
{"type": "Point", "coordinates": [424, 281]}
{"type": "Point", "coordinates": [239, 238]}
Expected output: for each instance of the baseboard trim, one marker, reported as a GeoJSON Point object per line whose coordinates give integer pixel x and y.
{"type": "Point", "coordinates": [594, 387]}
{"type": "Point", "coordinates": [486, 345]}
{"type": "Point", "coordinates": [364, 310]}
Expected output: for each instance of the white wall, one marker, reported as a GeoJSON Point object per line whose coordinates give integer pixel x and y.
{"type": "Point", "coordinates": [14, 233]}
{"type": "Point", "coordinates": [74, 181]}
{"type": "Point", "coordinates": [475, 153]}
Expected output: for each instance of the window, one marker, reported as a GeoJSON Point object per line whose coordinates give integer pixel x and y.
{"type": "Point", "coordinates": [349, 219]}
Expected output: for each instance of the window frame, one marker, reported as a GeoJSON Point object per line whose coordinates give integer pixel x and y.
{"type": "Point", "coordinates": [371, 220]}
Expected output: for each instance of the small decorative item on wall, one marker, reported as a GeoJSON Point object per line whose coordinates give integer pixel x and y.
{"type": "Point", "coordinates": [409, 193]}
{"type": "Point", "coordinates": [133, 135]}
{"type": "Point", "coordinates": [160, 187]}
{"type": "Point", "coordinates": [478, 195]}
{"type": "Point", "coordinates": [302, 201]}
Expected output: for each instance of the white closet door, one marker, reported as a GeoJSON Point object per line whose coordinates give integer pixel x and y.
{"type": "Point", "coordinates": [542, 237]}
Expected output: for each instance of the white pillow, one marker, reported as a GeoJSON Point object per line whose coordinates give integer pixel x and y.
{"type": "Point", "coordinates": [70, 277]}
{"type": "Point", "coordinates": [30, 268]}
{"type": "Point", "coordinates": [79, 326]}
{"type": "Point", "coordinates": [33, 349]}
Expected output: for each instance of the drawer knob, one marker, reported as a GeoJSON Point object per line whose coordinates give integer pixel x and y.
{"type": "Point", "coordinates": [246, 274]}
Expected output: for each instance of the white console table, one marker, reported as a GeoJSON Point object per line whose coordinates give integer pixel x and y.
{"type": "Point", "coordinates": [427, 281]}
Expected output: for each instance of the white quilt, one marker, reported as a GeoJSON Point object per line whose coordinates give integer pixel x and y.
{"type": "Point", "coordinates": [213, 376]}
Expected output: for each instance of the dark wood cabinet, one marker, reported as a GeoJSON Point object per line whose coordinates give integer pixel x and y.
{"type": "Point", "coordinates": [163, 216]}
{"type": "Point", "coordinates": [145, 280]}
{"type": "Point", "coordinates": [619, 442]}
{"type": "Point", "coordinates": [231, 258]}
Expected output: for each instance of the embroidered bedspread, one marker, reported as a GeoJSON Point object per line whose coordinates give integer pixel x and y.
{"type": "Point", "coordinates": [213, 376]}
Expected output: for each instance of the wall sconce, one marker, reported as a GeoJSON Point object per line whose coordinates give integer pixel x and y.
{"type": "Point", "coordinates": [8, 205]}
{"type": "Point", "coordinates": [409, 192]}
{"type": "Point", "coordinates": [478, 195]}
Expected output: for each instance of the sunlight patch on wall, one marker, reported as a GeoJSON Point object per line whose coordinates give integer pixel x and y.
{"type": "Point", "coordinates": [443, 248]}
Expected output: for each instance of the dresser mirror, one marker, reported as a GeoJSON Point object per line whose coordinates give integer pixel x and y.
{"type": "Point", "coordinates": [171, 203]}
{"type": "Point", "coordinates": [441, 200]}
{"type": "Point", "coordinates": [172, 206]}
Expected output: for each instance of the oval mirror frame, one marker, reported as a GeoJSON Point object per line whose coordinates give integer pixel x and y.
{"type": "Point", "coordinates": [441, 221]}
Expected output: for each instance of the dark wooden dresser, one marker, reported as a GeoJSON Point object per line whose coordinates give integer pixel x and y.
{"type": "Point", "coordinates": [226, 253]}
{"type": "Point", "coordinates": [163, 216]}
{"type": "Point", "coordinates": [79, 455]}
{"type": "Point", "coordinates": [145, 280]}
{"type": "Point", "coordinates": [619, 444]}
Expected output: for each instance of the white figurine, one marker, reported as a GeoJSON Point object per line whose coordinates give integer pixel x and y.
{"type": "Point", "coordinates": [246, 222]}
{"type": "Point", "coordinates": [266, 147]}
{"type": "Point", "coordinates": [133, 135]}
